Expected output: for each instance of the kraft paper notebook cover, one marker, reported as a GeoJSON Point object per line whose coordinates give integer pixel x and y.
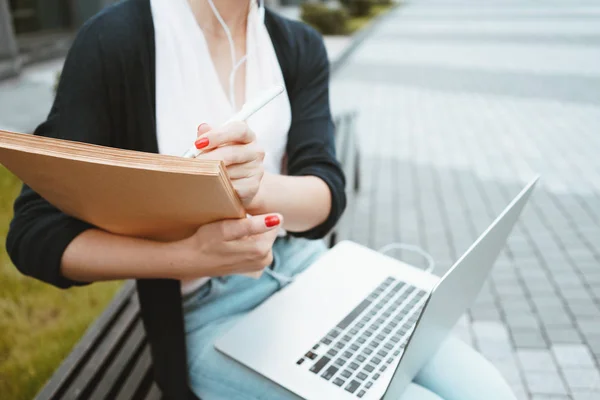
{"type": "Point", "coordinates": [121, 191]}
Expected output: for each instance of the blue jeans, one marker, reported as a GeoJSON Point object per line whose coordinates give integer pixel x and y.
{"type": "Point", "coordinates": [456, 372]}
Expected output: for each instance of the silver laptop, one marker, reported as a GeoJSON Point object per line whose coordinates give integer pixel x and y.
{"type": "Point", "coordinates": [358, 324]}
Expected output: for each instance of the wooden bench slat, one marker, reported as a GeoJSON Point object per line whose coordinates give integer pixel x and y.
{"type": "Point", "coordinates": [139, 373]}
{"type": "Point", "coordinates": [96, 364]}
{"type": "Point", "coordinates": [132, 346]}
{"type": "Point", "coordinates": [67, 371]}
{"type": "Point", "coordinates": [154, 393]}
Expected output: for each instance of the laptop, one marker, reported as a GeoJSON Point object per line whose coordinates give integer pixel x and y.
{"type": "Point", "coordinates": [359, 324]}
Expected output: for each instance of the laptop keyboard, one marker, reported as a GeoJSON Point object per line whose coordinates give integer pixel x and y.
{"type": "Point", "coordinates": [355, 353]}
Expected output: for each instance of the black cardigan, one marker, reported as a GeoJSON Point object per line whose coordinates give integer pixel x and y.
{"type": "Point", "coordinates": [106, 96]}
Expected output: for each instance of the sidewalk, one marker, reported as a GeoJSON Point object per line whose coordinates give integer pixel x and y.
{"type": "Point", "coordinates": [26, 100]}
{"type": "Point", "coordinates": [460, 103]}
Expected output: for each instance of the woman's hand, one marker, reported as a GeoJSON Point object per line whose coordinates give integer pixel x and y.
{"type": "Point", "coordinates": [235, 145]}
{"type": "Point", "coordinates": [228, 247]}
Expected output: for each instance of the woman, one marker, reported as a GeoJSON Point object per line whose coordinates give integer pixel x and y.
{"type": "Point", "coordinates": [143, 75]}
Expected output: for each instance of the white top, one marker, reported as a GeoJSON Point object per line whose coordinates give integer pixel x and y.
{"type": "Point", "coordinates": [188, 90]}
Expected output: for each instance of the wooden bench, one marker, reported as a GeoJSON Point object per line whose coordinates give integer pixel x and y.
{"type": "Point", "coordinates": [112, 360]}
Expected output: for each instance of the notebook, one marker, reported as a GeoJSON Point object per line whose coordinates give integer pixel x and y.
{"type": "Point", "coordinates": [126, 192]}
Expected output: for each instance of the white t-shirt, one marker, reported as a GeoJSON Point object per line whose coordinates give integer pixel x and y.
{"type": "Point", "coordinates": [188, 90]}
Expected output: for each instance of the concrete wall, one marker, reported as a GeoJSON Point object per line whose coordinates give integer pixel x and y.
{"type": "Point", "coordinates": [52, 14]}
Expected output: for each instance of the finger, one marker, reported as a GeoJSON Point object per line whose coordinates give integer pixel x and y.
{"type": "Point", "coordinates": [244, 267]}
{"type": "Point", "coordinates": [244, 171]}
{"type": "Point", "coordinates": [202, 129]}
{"type": "Point", "coordinates": [256, 247]}
{"type": "Point", "coordinates": [256, 225]}
{"type": "Point", "coordinates": [231, 155]}
{"type": "Point", "coordinates": [246, 189]}
{"type": "Point", "coordinates": [234, 132]}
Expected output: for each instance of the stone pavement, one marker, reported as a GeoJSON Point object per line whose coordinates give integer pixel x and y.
{"type": "Point", "coordinates": [460, 104]}
{"type": "Point", "coordinates": [25, 100]}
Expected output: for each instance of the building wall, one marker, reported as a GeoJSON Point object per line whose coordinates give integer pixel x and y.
{"type": "Point", "coordinates": [85, 9]}
{"type": "Point", "coordinates": [51, 16]}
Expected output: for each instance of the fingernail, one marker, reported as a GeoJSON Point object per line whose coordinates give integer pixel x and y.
{"type": "Point", "coordinates": [200, 126]}
{"type": "Point", "coordinates": [201, 143]}
{"type": "Point", "coordinates": [272, 220]}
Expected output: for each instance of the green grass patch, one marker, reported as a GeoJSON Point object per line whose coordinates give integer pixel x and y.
{"type": "Point", "coordinates": [357, 23]}
{"type": "Point", "coordinates": [39, 324]}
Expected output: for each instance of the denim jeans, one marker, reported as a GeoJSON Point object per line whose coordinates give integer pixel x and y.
{"type": "Point", "coordinates": [456, 372]}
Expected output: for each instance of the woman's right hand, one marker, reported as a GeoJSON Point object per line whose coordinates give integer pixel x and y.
{"type": "Point", "coordinates": [229, 247]}
{"type": "Point", "coordinates": [236, 146]}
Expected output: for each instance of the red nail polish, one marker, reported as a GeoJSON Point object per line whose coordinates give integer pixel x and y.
{"type": "Point", "coordinates": [271, 221]}
{"type": "Point", "coordinates": [201, 143]}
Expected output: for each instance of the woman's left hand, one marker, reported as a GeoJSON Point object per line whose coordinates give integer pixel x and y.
{"type": "Point", "coordinates": [235, 145]}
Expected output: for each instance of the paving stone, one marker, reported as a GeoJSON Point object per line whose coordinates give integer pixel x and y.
{"type": "Point", "coordinates": [571, 293]}
{"type": "Point", "coordinates": [490, 331]}
{"type": "Point", "coordinates": [584, 309]}
{"type": "Point", "coordinates": [541, 301]}
{"type": "Point", "coordinates": [585, 395]}
{"type": "Point", "coordinates": [556, 320]}
{"type": "Point", "coordinates": [494, 351]}
{"type": "Point", "coordinates": [536, 360]}
{"type": "Point", "coordinates": [570, 279]}
{"type": "Point", "coordinates": [549, 383]}
{"type": "Point", "coordinates": [589, 327]}
{"type": "Point", "coordinates": [591, 278]}
{"type": "Point", "coordinates": [522, 322]}
{"type": "Point", "coordinates": [594, 345]}
{"type": "Point", "coordinates": [582, 379]}
{"type": "Point", "coordinates": [511, 307]}
{"type": "Point", "coordinates": [485, 314]}
{"type": "Point", "coordinates": [563, 335]}
{"type": "Point", "coordinates": [509, 290]}
{"type": "Point", "coordinates": [572, 355]}
{"type": "Point", "coordinates": [491, 339]}
{"type": "Point", "coordinates": [510, 370]}
{"type": "Point", "coordinates": [529, 339]}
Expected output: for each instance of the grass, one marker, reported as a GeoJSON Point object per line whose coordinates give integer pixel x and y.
{"type": "Point", "coordinates": [39, 324]}
{"type": "Point", "coordinates": [357, 23]}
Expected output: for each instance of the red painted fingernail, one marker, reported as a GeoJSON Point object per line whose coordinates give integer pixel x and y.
{"type": "Point", "coordinates": [271, 221]}
{"type": "Point", "coordinates": [201, 143]}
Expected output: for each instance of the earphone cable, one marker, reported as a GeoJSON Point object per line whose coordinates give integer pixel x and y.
{"type": "Point", "coordinates": [235, 65]}
{"type": "Point", "coordinates": [410, 247]}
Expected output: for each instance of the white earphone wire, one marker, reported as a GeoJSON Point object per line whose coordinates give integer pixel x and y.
{"type": "Point", "coordinates": [235, 65]}
{"type": "Point", "coordinates": [410, 247]}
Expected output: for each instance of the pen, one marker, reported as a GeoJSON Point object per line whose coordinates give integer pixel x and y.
{"type": "Point", "coordinates": [245, 112]}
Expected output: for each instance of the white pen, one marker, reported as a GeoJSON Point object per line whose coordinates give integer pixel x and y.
{"type": "Point", "coordinates": [245, 112]}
